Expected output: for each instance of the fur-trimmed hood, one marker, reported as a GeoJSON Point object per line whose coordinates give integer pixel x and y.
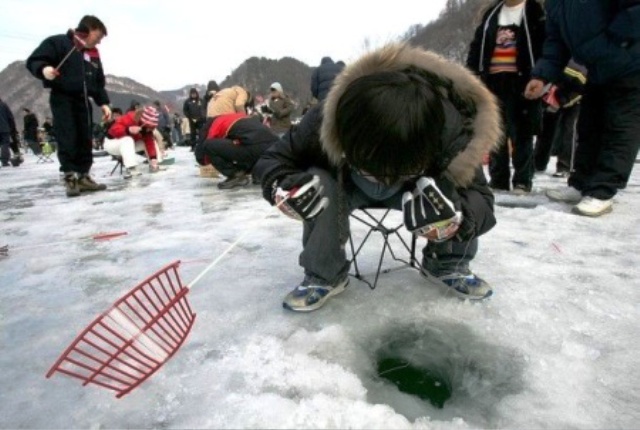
{"type": "Point", "coordinates": [484, 121]}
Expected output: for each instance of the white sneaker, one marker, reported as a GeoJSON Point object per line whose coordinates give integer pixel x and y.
{"type": "Point", "coordinates": [590, 206]}
{"type": "Point", "coordinates": [130, 172]}
{"type": "Point", "coordinates": [566, 195]}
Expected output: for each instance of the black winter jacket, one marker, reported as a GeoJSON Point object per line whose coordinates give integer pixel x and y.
{"type": "Point", "coordinates": [529, 42]}
{"type": "Point", "coordinates": [603, 35]}
{"type": "Point", "coordinates": [7, 121]}
{"type": "Point", "coordinates": [30, 127]}
{"type": "Point", "coordinates": [193, 109]}
{"type": "Point", "coordinates": [323, 76]}
{"type": "Point", "coordinates": [79, 70]}
{"type": "Point", "coordinates": [468, 136]}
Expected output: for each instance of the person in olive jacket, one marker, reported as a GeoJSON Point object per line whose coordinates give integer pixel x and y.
{"type": "Point", "coordinates": [69, 64]}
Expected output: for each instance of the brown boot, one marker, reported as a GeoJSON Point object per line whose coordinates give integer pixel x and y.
{"type": "Point", "coordinates": [71, 183]}
{"type": "Point", "coordinates": [86, 183]}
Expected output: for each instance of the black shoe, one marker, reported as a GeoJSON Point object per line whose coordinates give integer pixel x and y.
{"type": "Point", "coordinates": [239, 179]}
{"type": "Point", "coordinates": [497, 187]}
{"type": "Point", "coordinates": [5, 164]}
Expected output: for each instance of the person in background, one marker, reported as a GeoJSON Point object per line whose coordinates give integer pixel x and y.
{"type": "Point", "coordinates": [280, 107]}
{"type": "Point", "coordinates": [72, 82]}
{"type": "Point", "coordinates": [401, 128]}
{"type": "Point", "coordinates": [558, 135]}
{"type": "Point", "coordinates": [131, 133]}
{"type": "Point", "coordinates": [193, 111]}
{"type": "Point", "coordinates": [233, 143]}
{"type": "Point", "coordinates": [505, 47]}
{"type": "Point", "coordinates": [9, 139]}
{"type": "Point", "coordinates": [212, 90]}
{"type": "Point", "coordinates": [322, 77]}
{"type": "Point", "coordinates": [176, 130]}
{"type": "Point", "coordinates": [134, 105]}
{"type": "Point", "coordinates": [49, 134]}
{"type": "Point", "coordinates": [185, 128]}
{"type": "Point", "coordinates": [30, 128]}
{"type": "Point", "coordinates": [604, 36]}
{"type": "Point", "coordinates": [229, 100]}
{"type": "Point", "coordinates": [164, 124]}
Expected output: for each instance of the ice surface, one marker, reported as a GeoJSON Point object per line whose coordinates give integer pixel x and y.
{"type": "Point", "coordinates": [557, 346]}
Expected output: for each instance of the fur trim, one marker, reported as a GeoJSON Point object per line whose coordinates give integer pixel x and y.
{"type": "Point", "coordinates": [486, 124]}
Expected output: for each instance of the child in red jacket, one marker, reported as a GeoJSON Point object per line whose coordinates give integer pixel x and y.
{"type": "Point", "coordinates": [132, 133]}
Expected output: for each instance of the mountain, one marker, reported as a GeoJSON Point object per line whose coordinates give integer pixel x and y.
{"type": "Point", "coordinates": [256, 75]}
{"type": "Point", "coordinates": [19, 89]}
{"type": "Point", "coordinates": [450, 34]}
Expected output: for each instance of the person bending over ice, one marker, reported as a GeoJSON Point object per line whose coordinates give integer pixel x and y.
{"type": "Point", "coordinates": [403, 128]}
{"type": "Point", "coordinates": [232, 144]}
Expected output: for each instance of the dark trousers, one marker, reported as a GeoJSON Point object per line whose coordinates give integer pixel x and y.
{"type": "Point", "coordinates": [194, 132]}
{"type": "Point", "coordinates": [5, 143]}
{"type": "Point", "coordinates": [517, 113]}
{"type": "Point", "coordinates": [324, 238]}
{"type": "Point", "coordinates": [72, 127]}
{"type": "Point", "coordinates": [558, 137]}
{"type": "Point", "coordinates": [608, 137]}
{"type": "Point", "coordinates": [229, 157]}
{"type": "Point", "coordinates": [166, 136]}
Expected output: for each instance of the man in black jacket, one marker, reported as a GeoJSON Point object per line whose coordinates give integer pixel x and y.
{"type": "Point", "coordinates": [193, 110]}
{"type": "Point", "coordinates": [8, 135]}
{"type": "Point", "coordinates": [401, 128]}
{"type": "Point", "coordinates": [30, 128]}
{"type": "Point", "coordinates": [322, 77]}
{"type": "Point", "coordinates": [69, 64]}
{"type": "Point", "coordinates": [604, 36]}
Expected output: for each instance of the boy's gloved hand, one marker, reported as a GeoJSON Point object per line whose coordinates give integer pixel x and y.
{"type": "Point", "coordinates": [299, 196]}
{"type": "Point", "coordinates": [429, 212]}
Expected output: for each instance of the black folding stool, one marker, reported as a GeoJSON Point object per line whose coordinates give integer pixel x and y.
{"type": "Point", "coordinates": [119, 164]}
{"type": "Point", "coordinates": [377, 225]}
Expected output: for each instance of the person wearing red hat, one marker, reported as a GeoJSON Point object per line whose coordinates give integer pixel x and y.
{"type": "Point", "coordinates": [131, 133]}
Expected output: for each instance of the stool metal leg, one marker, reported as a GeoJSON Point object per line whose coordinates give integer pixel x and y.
{"type": "Point", "coordinates": [376, 225]}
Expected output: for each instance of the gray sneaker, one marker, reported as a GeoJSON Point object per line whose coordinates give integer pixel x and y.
{"type": "Point", "coordinates": [239, 179]}
{"type": "Point", "coordinates": [565, 195]}
{"type": "Point", "coordinates": [312, 294]}
{"type": "Point", "coordinates": [464, 285]}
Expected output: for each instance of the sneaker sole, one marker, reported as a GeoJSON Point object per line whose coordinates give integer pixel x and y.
{"type": "Point", "coordinates": [317, 305]}
{"type": "Point", "coordinates": [577, 211]}
{"type": "Point", "coordinates": [433, 279]}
